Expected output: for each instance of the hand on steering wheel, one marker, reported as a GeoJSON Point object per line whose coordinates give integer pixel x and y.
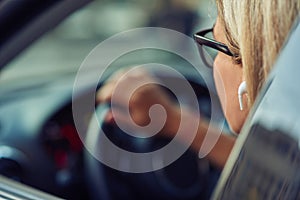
{"type": "Point", "coordinates": [186, 178]}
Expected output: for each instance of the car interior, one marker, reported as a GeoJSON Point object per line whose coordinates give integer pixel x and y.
{"type": "Point", "coordinates": [42, 155]}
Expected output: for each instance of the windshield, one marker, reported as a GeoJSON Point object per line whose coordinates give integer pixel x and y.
{"type": "Point", "coordinates": [63, 49]}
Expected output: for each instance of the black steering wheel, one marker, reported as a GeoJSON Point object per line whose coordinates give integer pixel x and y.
{"type": "Point", "coordinates": [187, 178]}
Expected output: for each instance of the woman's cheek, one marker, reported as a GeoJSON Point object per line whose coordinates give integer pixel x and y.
{"type": "Point", "coordinates": [219, 85]}
{"type": "Point", "coordinates": [227, 77]}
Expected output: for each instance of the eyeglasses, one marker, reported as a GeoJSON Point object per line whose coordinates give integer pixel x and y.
{"type": "Point", "coordinates": [209, 48]}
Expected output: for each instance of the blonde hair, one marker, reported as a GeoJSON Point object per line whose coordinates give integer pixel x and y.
{"type": "Point", "coordinates": [256, 31]}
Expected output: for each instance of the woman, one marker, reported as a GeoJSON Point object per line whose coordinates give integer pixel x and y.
{"type": "Point", "coordinates": [251, 34]}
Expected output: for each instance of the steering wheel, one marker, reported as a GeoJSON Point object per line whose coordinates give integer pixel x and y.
{"type": "Point", "coordinates": [187, 178]}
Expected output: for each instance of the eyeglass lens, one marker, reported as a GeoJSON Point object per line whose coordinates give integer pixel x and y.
{"type": "Point", "coordinates": [208, 54]}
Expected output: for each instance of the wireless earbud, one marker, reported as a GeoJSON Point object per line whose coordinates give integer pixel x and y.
{"type": "Point", "coordinates": [242, 89]}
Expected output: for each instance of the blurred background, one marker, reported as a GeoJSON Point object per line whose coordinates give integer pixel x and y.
{"type": "Point", "coordinates": [63, 49]}
{"type": "Point", "coordinates": [36, 95]}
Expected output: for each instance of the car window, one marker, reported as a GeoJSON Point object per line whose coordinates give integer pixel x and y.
{"type": "Point", "coordinates": [63, 49]}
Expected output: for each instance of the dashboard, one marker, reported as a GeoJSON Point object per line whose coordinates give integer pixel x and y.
{"type": "Point", "coordinates": [39, 143]}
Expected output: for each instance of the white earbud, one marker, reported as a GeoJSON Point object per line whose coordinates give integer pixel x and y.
{"type": "Point", "coordinates": [242, 89]}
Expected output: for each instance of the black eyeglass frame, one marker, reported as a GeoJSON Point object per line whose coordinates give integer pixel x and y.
{"type": "Point", "coordinates": [201, 40]}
